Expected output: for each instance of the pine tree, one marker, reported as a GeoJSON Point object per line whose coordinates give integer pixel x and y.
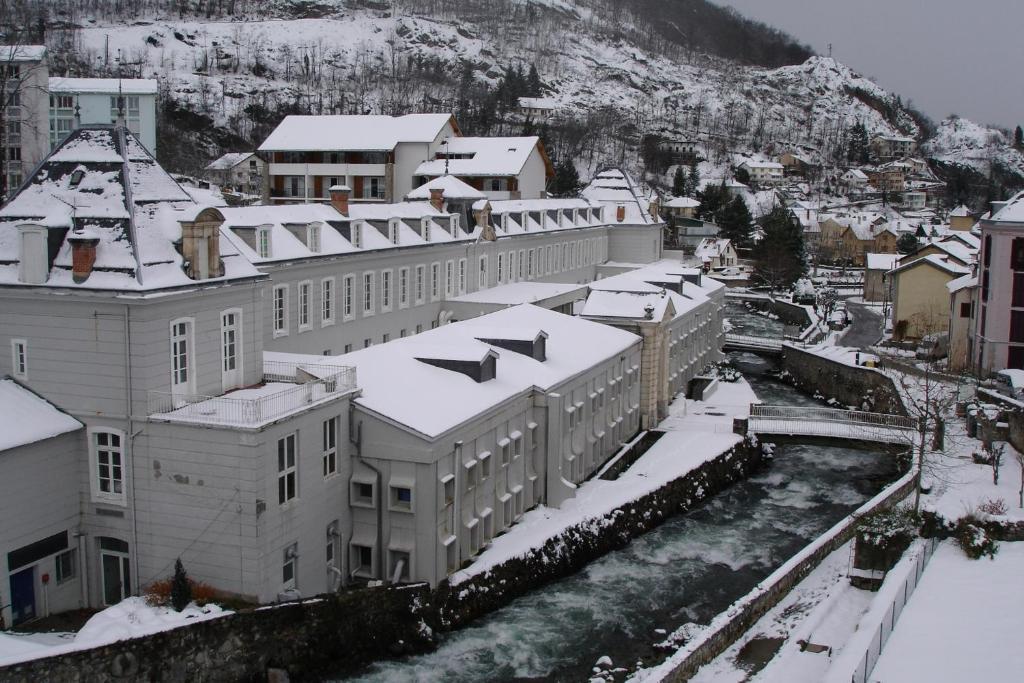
{"type": "Point", "coordinates": [735, 223]}
{"type": "Point", "coordinates": [712, 199]}
{"type": "Point", "coordinates": [679, 185]}
{"type": "Point", "coordinates": [566, 182]}
{"type": "Point", "coordinates": [533, 84]}
{"type": "Point", "coordinates": [181, 590]}
{"type": "Point", "coordinates": [1018, 137]}
{"type": "Point", "coordinates": [907, 243]}
{"type": "Point", "coordinates": [779, 258]}
{"type": "Point", "coordinates": [693, 184]}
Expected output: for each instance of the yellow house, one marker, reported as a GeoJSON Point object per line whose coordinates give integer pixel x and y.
{"type": "Point", "coordinates": [961, 218]}
{"type": "Point", "coordinates": [920, 296]}
{"type": "Point", "coordinates": [961, 310]}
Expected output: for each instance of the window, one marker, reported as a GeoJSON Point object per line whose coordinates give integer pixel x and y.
{"type": "Point", "coordinates": [398, 567]}
{"type": "Point", "coordinates": [231, 348]}
{"type": "Point", "coordinates": [505, 449]}
{"type": "Point", "coordinates": [107, 457]}
{"type": "Point", "coordinates": [19, 358]}
{"type": "Point", "coordinates": [448, 488]}
{"type": "Point", "coordinates": [330, 441]}
{"type": "Point", "coordinates": [482, 278]}
{"type": "Point", "coordinates": [280, 310]}
{"type": "Point", "coordinates": [419, 328]}
{"type": "Point", "coordinates": [181, 357]}
{"type": "Point", "coordinates": [420, 273]}
{"type": "Point", "coordinates": [522, 263]}
{"type": "Point", "coordinates": [485, 464]}
{"type": "Point", "coordinates": [403, 288]}
{"type": "Point", "coordinates": [367, 343]}
{"type": "Point", "coordinates": [1017, 299]}
{"type": "Point", "coordinates": [362, 560]}
{"type": "Point", "coordinates": [313, 237]}
{"type": "Point", "coordinates": [288, 568]}
{"type": "Point", "coordinates": [401, 498]}
{"type": "Point", "coordinates": [385, 290]}
{"type": "Point", "coordinates": [327, 302]}
{"type": "Point", "coordinates": [362, 494]}
{"type": "Point", "coordinates": [965, 307]}
{"type": "Point", "coordinates": [393, 231]}
{"type": "Point", "coordinates": [472, 474]}
{"type": "Point", "coordinates": [1017, 326]}
{"type": "Point", "coordinates": [263, 242]}
{"type": "Point", "coordinates": [348, 348]}
{"type": "Point", "coordinates": [368, 280]}
{"type": "Point", "coordinates": [529, 264]}
{"type": "Point", "coordinates": [517, 444]}
{"type": "Point", "coordinates": [385, 338]}
{"type": "Point", "coordinates": [65, 566]}
{"type": "Point", "coordinates": [373, 187]}
{"type": "Point", "coordinates": [357, 235]}
{"type": "Point", "coordinates": [435, 280]}
{"type": "Point", "coordinates": [449, 278]}
{"type": "Point", "coordinates": [348, 285]}
{"type": "Point", "coordinates": [462, 276]}
{"type": "Point", "coordinates": [501, 267]}
{"type": "Point", "coordinates": [286, 469]}
{"type": "Point", "coordinates": [305, 322]}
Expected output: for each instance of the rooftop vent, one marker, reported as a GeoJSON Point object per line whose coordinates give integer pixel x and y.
{"type": "Point", "coordinates": [474, 360]}
{"type": "Point", "coordinates": [527, 342]}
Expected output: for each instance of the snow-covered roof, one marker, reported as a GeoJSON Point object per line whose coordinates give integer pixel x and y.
{"type": "Point", "coordinates": [1012, 211]}
{"type": "Point", "coordinates": [103, 86]}
{"type": "Point", "coordinates": [515, 293]}
{"type": "Point", "coordinates": [969, 240]}
{"type": "Point", "coordinates": [712, 248]}
{"type": "Point", "coordinates": [962, 282]}
{"type": "Point", "coordinates": [353, 132]}
{"type": "Point", "coordinates": [228, 161]}
{"type": "Point", "coordinates": [755, 163]}
{"type": "Point", "coordinates": [28, 418]}
{"type": "Point", "coordinates": [940, 262]}
{"type": "Point", "coordinates": [961, 211]}
{"type": "Point", "coordinates": [881, 261]}
{"type": "Point", "coordinates": [647, 285]}
{"type": "Point", "coordinates": [613, 187]}
{"type": "Point", "coordinates": [856, 174]}
{"type": "Point", "coordinates": [955, 250]}
{"type": "Point", "coordinates": [481, 157]}
{"type": "Point", "coordinates": [434, 400]}
{"type": "Point", "coordinates": [452, 186]}
{"type": "Point", "coordinates": [628, 305]}
{"type": "Point", "coordinates": [682, 203]}
{"type": "Point", "coordinates": [124, 198]}
{"type": "Point", "coordinates": [22, 53]}
{"type": "Point", "coordinates": [538, 103]}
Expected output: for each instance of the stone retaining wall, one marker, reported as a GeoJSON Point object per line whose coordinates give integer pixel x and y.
{"type": "Point", "coordinates": [737, 620]}
{"type": "Point", "coordinates": [571, 550]}
{"type": "Point", "coordinates": [331, 634]}
{"type": "Point", "coordinates": [848, 384]}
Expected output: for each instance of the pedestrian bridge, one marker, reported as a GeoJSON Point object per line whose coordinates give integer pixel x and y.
{"type": "Point", "coordinates": [831, 422]}
{"type": "Point", "coordinates": [748, 342]}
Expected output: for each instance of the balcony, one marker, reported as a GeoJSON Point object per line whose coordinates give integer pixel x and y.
{"type": "Point", "coordinates": [286, 389]}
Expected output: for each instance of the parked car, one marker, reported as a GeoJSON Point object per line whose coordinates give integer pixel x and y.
{"type": "Point", "coordinates": [933, 347]}
{"type": "Point", "coordinates": [1008, 383]}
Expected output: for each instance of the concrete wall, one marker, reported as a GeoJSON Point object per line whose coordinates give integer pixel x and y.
{"type": "Point", "coordinates": [847, 384]}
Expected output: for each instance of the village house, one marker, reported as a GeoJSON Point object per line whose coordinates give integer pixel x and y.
{"type": "Point", "coordinates": [849, 237]}
{"type": "Point", "coordinates": [762, 172]}
{"type": "Point", "coordinates": [27, 136]}
{"type": "Point", "coordinates": [502, 168]}
{"type": "Point", "coordinates": [682, 149]}
{"type": "Point", "coordinates": [798, 165]}
{"type": "Point", "coordinates": [889, 177]}
{"type": "Point", "coordinates": [238, 171]}
{"type": "Point", "coordinates": [961, 321]}
{"type": "Point", "coordinates": [538, 108]}
{"type": "Point", "coordinates": [920, 296]}
{"type": "Point", "coordinates": [715, 253]}
{"type": "Point", "coordinates": [997, 341]}
{"type": "Point", "coordinates": [889, 147]}
{"type": "Point", "coordinates": [82, 101]}
{"type": "Point", "coordinates": [961, 218]}
{"type": "Point", "coordinates": [877, 285]}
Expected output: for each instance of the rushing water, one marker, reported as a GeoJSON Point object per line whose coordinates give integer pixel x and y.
{"type": "Point", "coordinates": [746, 321]}
{"type": "Point", "coordinates": [687, 570]}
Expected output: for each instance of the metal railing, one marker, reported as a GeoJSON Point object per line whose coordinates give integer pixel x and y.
{"type": "Point", "coordinates": [287, 388]}
{"type": "Point", "coordinates": [750, 341]}
{"type": "Point", "coordinates": [759, 410]}
{"type": "Point", "coordinates": [888, 622]}
{"type": "Point", "coordinates": [831, 422]}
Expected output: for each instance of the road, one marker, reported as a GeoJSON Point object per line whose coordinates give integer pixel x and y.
{"type": "Point", "coordinates": [866, 328]}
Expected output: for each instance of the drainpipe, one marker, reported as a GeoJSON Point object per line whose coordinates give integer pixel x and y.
{"type": "Point", "coordinates": [379, 498]}
{"type": "Point", "coordinates": [131, 434]}
{"type": "Point", "coordinates": [457, 502]}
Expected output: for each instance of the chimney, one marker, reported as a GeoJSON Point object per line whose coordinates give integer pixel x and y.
{"type": "Point", "coordinates": [200, 244]}
{"type": "Point", "coordinates": [620, 213]}
{"type": "Point", "coordinates": [83, 255]}
{"type": "Point", "coordinates": [483, 221]}
{"type": "Point", "coordinates": [437, 198]}
{"type": "Point", "coordinates": [339, 198]}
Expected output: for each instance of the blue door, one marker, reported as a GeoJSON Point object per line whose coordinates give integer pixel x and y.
{"type": "Point", "coordinates": [23, 595]}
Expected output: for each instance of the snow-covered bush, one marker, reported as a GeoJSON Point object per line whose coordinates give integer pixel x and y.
{"type": "Point", "coordinates": [994, 506]}
{"type": "Point", "coordinates": [896, 526]}
{"type": "Point", "coordinates": [973, 539]}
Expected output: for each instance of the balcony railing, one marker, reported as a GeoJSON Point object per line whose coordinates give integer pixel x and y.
{"type": "Point", "coordinates": [287, 388]}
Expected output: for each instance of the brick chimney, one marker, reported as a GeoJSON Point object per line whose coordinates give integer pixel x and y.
{"type": "Point", "coordinates": [339, 198]}
{"type": "Point", "coordinates": [83, 254]}
{"type": "Point", "coordinates": [620, 213]}
{"type": "Point", "coordinates": [437, 198]}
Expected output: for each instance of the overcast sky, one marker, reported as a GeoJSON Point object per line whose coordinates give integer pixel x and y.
{"type": "Point", "coordinates": [947, 56]}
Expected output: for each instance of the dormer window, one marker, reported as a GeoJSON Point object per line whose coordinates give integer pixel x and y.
{"type": "Point", "coordinates": [503, 221]}
{"type": "Point", "coordinates": [34, 267]}
{"type": "Point", "coordinates": [357, 235]}
{"type": "Point", "coordinates": [525, 219]}
{"type": "Point", "coordinates": [313, 237]}
{"type": "Point", "coordinates": [76, 177]}
{"type": "Point", "coordinates": [393, 231]}
{"type": "Point", "coordinates": [425, 229]}
{"type": "Point", "coordinates": [263, 241]}
{"type": "Point", "coordinates": [455, 224]}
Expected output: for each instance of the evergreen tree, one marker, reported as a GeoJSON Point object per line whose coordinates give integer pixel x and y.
{"type": "Point", "coordinates": [566, 182]}
{"type": "Point", "coordinates": [779, 258]}
{"type": "Point", "coordinates": [679, 185]}
{"type": "Point", "coordinates": [712, 199]}
{"type": "Point", "coordinates": [534, 87]}
{"type": "Point", "coordinates": [693, 183]}
{"type": "Point", "coordinates": [735, 223]}
{"type": "Point", "coordinates": [859, 147]}
{"type": "Point", "coordinates": [181, 590]}
{"type": "Point", "coordinates": [1018, 137]}
{"type": "Point", "coordinates": [907, 243]}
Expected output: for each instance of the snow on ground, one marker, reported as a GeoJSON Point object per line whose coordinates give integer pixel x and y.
{"type": "Point", "coordinates": [962, 623]}
{"type": "Point", "coordinates": [841, 354]}
{"type": "Point", "coordinates": [696, 431]}
{"type": "Point", "coordinates": [130, 618]}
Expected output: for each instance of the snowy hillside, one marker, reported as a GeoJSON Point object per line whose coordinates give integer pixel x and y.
{"type": "Point", "coordinates": [964, 142]}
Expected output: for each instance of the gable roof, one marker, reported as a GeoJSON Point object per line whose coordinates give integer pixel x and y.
{"type": "Point", "coordinates": [485, 157]}
{"type": "Point", "coordinates": [28, 418]}
{"type": "Point", "coordinates": [935, 261]}
{"type": "Point", "coordinates": [354, 132]}
{"type": "Point", "coordinates": [228, 161]}
{"type": "Point", "coordinates": [613, 187]}
{"type": "Point", "coordinates": [452, 186]}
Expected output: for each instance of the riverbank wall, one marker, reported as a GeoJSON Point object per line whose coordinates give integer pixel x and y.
{"type": "Point", "coordinates": [863, 388]}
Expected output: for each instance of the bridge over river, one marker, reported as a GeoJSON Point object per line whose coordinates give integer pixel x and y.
{"type": "Point", "coordinates": [831, 422]}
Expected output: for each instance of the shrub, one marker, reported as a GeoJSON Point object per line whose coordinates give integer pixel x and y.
{"type": "Point", "coordinates": [158, 593]}
{"type": "Point", "coordinates": [894, 527]}
{"type": "Point", "coordinates": [181, 590]}
{"type": "Point", "coordinates": [974, 540]}
{"type": "Point", "coordinates": [994, 506]}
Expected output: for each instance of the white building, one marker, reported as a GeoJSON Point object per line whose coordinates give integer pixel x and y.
{"type": "Point", "coordinates": [716, 252]}
{"type": "Point", "coordinates": [538, 108]}
{"type": "Point", "coordinates": [239, 171]}
{"type": "Point", "coordinates": [502, 168]}
{"type": "Point", "coordinates": [763, 172]}
{"type": "Point", "coordinates": [83, 101]}
{"type": "Point", "coordinates": [23, 136]}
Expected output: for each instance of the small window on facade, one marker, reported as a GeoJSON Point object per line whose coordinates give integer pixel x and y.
{"type": "Point", "coordinates": [19, 358]}
{"type": "Point", "coordinates": [401, 498]}
{"type": "Point", "coordinates": [289, 568]}
{"type": "Point", "coordinates": [263, 242]}
{"type": "Point", "coordinates": [403, 287]}
{"type": "Point", "coordinates": [330, 446]}
{"type": "Point", "coordinates": [419, 288]}
{"type": "Point", "coordinates": [305, 294]}
{"type": "Point", "coordinates": [313, 237]}
{"type": "Point", "coordinates": [108, 464]}
{"type": "Point", "coordinates": [448, 485]}
{"type": "Point", "coordinates": [327, 302]}
{"type": "Point", "coordinates": [362, 556]}
{"type": "Point", "coordinates": [485, 464]}
{"type": "Point", "coordinates": [287, 469]}
{"type": "Point", "coordinates": [505, 449]}
{"type": "Point", "coordinates": [348, 285]}
{"type": "Point", "coordinates": [280, 312]}
{"type": "Point", "coordinates": [362, 493]}
{"type": "Point", "coordinates": [385, 290]}
{"type": "Point", "coordinates": [65, 566]}
{"type": "Point", "coordinates": [368, 284]}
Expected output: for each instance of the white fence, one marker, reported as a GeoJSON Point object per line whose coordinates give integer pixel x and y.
{"type": "Point", "coordinates": [831, 422]}
{"type": "Point", "coordinates": [747, 341]}
{"type": "Point", "coordinates": [888, 623]}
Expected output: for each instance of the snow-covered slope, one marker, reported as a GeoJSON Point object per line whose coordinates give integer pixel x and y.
{"type": "Point", "coordinates": [964, 142]}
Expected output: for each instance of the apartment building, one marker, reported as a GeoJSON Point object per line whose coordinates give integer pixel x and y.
{"type": "Point", "coordinates": [998, 339]}
{"type": "Point", "coordinates": [23, 135]}
{"type": "Point", "coordinates": [502, 168]}
{"type": "Point", "coordinates": [889, 147]}
{"type": "Point", "coordinates": [763, 172]}
{"type": "Point", "coordinates": [82, 101]}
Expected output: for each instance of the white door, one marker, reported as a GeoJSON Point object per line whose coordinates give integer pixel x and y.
{"type": "Point", "coordinates": [181, 366]}
{"type": "Point", "coordinates": [231, 349]}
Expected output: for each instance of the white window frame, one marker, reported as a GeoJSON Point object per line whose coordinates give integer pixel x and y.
{"type": "Point", "coordinates": [501, 266]}
{"type": "Point", "coordinates": [521, 265]}
{"type": "Point", "coordinates": [304, 296]}
{"type": "Point", "coordinates": [449, 278]}
{"type": "Point", "coordinates": [98, 495]}
{"type": "Point", "coordinates": [396, 505]}
{"type": "Point", "coordinates": [287, 471]}
{"type": "Point", "coordinates": [421, 283]}
{"type": "Point", "coordinates": [403, 287]}
{"type": "Point", "coordinates": [313, 237]}
{"type": "Point", "coordinates": [329, 433]}
{"type": "Point", "coordinates": [435, 280]}
{"type": "Point", "coordinates": [280, 330]}
{"type": "Point", "coordinates": [369, 280]}
{"type": "Point", "coordinates": [189, 385]}
{"type": "Point", "coordinates": [19, 358]}
{"type": "Point", "coordinates": [348, 297]}
{"type": "Point", "coordinates": [482, 280]}
{"type": "Point", "coordinates": [463, 275]}
{"type": "Point", "coordinates": [264, 245]}
{"type": "Point", "coordinates": [386, 289]}
{"type": "Point", "coordinates": [328, 302]}
{"type": "Point", "coordinates": [237, 371]}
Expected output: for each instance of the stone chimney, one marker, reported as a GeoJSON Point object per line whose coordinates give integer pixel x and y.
{"type": "Point", "coordinates": [620, 213]}
{"type": "Point", "coordinates": [200, 244]}
{"type": "Point", "coordinates": [83, 254]}
{"type": "Point", "coordinates": [437, 198]}
{"type": "Point", "coordinates": [483, 221]}
{"type": "Point", "coordinates": [339, 198]}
